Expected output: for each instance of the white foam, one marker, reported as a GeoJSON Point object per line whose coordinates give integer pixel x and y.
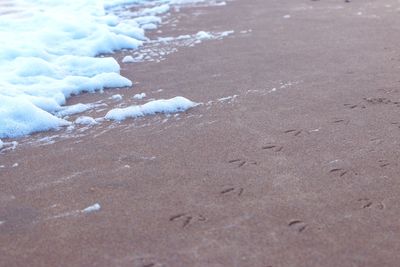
{"type": "Point", "coordinates": [48, 53]}
{"type": "Point", "coordinates": [94, 207]}
{"type": "Point", "coordinates": [222, 99]}
{"type": "Point", "coordinates": [116, 97]}
{"type": "Point", "coordinates": [85, 120]}
{"type": "Point", "coordinates": [128, 59]}
{"type": "Point", "coordinates": [173, 105]}
{"type": "Point", "coordinates": [203, 35]}
{"type": "Point", "coordinates": [139, 96]}
{"type": "Point", "coordinates": [155, 10]}
{"type": "Point", "coordinates": [158, 49]}
{"type": "Point", "coordinates": [73, 109]}
{"type": "Point", "coordinates": [19, 116]}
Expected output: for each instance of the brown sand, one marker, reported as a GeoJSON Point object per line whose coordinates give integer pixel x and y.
{"type": "Point", "coordinates": [306, 175]}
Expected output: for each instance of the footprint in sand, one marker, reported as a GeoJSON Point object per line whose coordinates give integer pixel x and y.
{"type": "Point", "coordinates": [275, 148]}
{"type": "Point", "coordinates": [240, 162]}
{"type": "Point", "coordinates": [340, 121]}
{"type": "Point", "coordinates": [367, 203]}
{"type": "Point", "coordinates": [353, 106]}
{"type": "Point", "coordinates": [232, 190]}
{"type": "Point", "coordinates": [187, 219]}
{"type": "Point", "coordinates": [342, 172]}
{"type": "Point", "coordinates": [383, 163]}
{"type": "Point", "coordinates": [297, 225]}
{"type": "Point", "coordinates": [294, 132]}
{"type": "Point", "coordinates": [339, 171]}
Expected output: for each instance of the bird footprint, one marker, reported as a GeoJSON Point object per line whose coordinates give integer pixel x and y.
{"type": "Point", "coordinates": [187, 219]}
{"type": "Point", "coordinates": [383, 163]}
{"type": "Point", "coordinates": [275, 148]}
{"type": "Point", "coordinates": [367, 203]}
{"type": "Point", "coordinates": [353, 106]}
{"type": "Point", "coordinates": [298, 225]}
{"type": "Point", "coordinates": [295, 132]}
{"type": "Point", "coordinates": [240, 163]}
{"type": "Point", "coordinates": [341, 172]}
{"type": "Point", "coordinates": [231, 190]}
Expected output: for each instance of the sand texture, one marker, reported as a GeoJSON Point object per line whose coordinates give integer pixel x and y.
{"type": "Point", "coordinates": [296, 165]}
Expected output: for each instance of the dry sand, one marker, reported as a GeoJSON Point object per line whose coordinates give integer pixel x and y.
{"type": "Point", "coordinates": [303, 175]}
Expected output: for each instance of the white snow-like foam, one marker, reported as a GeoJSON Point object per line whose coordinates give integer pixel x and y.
{"type": "Point", "coordinates": [203, 35]}
{"type": "Point", "coordinates": [73, 109]}
{"type": "Point", "coordinates": [19, 116]}
{"type": "Point", "coordinates": [139, 96]}
{"type": "Point", "coordinates": [116, 97]}
{"type": "Point", "coordinates": [48, 53]}
{"type": "Point", "coordinates": [128, 59]}
{"type": "Point", "coordinates": [1, 144]}
{"type": "Point", "coordinates": [94, 207]}
{"type": "Point", "coordinates": [85, 120]}
{"type": "Point", "coordinates": [173, 105]}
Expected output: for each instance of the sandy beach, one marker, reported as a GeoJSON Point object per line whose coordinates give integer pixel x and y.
{"type": "Point", "coordinates": [290, 160]}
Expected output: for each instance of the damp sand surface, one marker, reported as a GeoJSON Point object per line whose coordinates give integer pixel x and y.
{"type": "Point", "coordinates": [291, 160]}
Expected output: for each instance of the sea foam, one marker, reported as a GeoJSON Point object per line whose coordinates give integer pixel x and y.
{"type": "Point", "coordinates": [50, 51]}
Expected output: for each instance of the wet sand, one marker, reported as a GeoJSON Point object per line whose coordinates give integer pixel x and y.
{"type": "Point", "coordinates": [299, 169]}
